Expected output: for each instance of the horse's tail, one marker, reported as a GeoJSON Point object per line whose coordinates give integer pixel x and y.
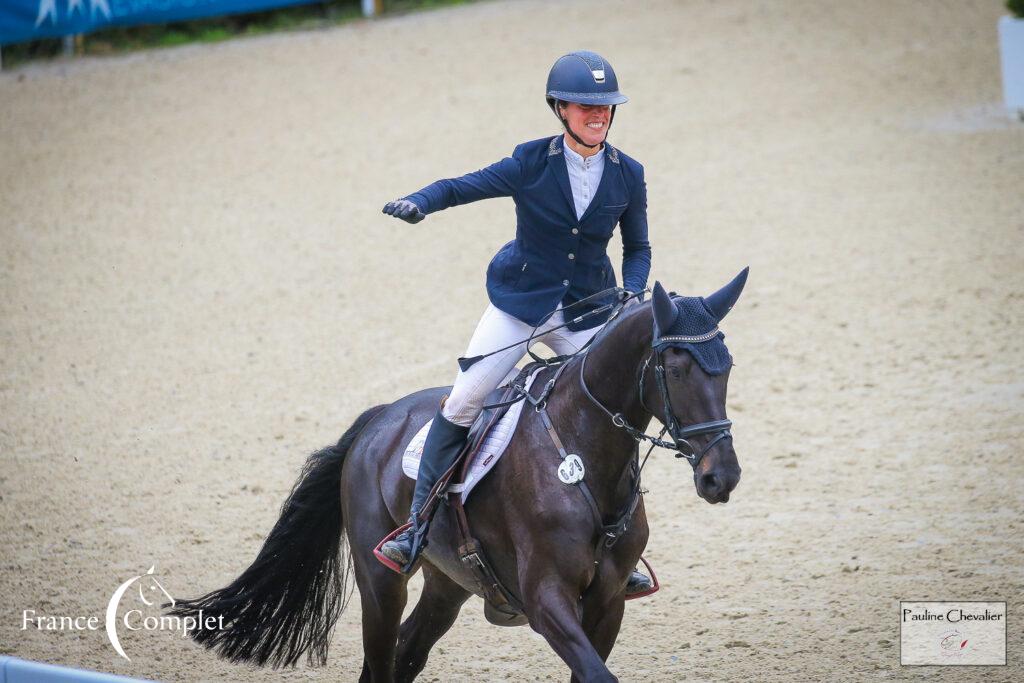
{"type": "Point", "coordinates": [288, 600]}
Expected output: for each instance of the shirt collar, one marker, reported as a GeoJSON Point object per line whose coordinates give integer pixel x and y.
{"type": "Point", "coordinates": [576, 159]}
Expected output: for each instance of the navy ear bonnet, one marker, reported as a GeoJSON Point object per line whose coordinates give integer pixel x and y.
{"type": "Point", "coordinates": [691, 323]}
{"type": "Point", "coordinates": [694, 319]}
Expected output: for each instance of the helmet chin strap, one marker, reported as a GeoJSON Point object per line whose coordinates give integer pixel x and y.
{"type": "Point", "coordinates": [565, 124]}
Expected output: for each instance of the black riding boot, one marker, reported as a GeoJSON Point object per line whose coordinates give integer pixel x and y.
{"type": "Point", "coordinates": [442, 445]}
{"type": "Point", "coordinates": [638, 583]}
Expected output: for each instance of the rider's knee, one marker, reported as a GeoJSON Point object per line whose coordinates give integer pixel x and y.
{"type": "Point", "coordinates": [458, 410]}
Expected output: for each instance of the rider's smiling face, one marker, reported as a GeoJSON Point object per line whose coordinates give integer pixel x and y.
{"type": "Point", "coordinates": [590, 122]}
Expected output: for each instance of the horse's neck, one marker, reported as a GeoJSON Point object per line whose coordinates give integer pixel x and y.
{"type": "Point", "coordinates": [613, 366]}
{"type": "Point", "coordinates": [611, 374]}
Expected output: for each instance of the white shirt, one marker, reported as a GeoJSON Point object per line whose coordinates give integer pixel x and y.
{"type": "Point", "coordinates": [584, 176]}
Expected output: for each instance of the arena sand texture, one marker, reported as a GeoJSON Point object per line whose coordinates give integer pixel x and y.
{"type": "Point", "coordinates": [199, 289]}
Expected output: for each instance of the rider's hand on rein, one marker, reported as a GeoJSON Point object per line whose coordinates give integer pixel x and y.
{"type": "Point", "coordinates": [631, 298]}
{"type": "Point", "coordinates": [404, 209]}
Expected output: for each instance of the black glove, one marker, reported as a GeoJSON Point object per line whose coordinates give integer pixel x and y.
{"type": "Point", "coordinates": [631, 298]}
{"type": "Point", "coordinates": [404, 209]}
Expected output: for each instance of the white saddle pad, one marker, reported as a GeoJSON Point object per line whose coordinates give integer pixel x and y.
{"type": "Point", "coordinates": [490, 450]}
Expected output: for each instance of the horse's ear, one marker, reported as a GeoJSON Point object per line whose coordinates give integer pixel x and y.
{"type": "Point", "coordinates": [665, 310]}
{"type": "Point", "coordinates": [722, 301]}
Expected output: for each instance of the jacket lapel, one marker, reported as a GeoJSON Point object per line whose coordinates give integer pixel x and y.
{"type": "Point", "coordinates": [556, 159]}
{"type": "Point", "coordinates": [608, 176]}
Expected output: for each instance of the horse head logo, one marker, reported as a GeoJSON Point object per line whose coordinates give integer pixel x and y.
{"type": "Point", "coordinates": [150, 585]}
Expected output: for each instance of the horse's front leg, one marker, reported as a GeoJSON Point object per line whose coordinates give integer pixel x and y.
{"type": "Point", "coordinates": [601, 622]}
{"type": "Point", "coordinates": [604, 603]}
{"type": "Point", "coordinates": [552, 603]}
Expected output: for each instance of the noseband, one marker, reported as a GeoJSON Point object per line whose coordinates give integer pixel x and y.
{"type": "Point", "coordinates": [680, 435]}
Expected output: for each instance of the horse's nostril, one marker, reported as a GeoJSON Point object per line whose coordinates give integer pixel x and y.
{"type": "Point", "coordinates": [710, 483]}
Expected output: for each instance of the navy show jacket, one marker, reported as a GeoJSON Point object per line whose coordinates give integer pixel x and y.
{"type": "Point", "coordinates": [555, 257]}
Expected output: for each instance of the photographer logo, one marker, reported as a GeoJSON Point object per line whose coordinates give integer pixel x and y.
{"type": "Point", "coordinates": [952, 633]}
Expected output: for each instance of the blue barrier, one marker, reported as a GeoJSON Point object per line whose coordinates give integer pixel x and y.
{"type": "Point", "coordinates": [22, 20]}
{"type": "Point", "coordinates": [14, 670]}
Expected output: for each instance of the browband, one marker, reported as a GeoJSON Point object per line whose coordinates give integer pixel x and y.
{"type": "Point", "coordinates": [685, 339]}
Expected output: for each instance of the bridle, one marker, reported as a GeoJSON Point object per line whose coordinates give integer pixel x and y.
{"type": "Point", "coordinates": [680, 435]}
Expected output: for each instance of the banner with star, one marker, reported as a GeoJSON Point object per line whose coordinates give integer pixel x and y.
{"type": "Point", "coordinates": [23, 20]}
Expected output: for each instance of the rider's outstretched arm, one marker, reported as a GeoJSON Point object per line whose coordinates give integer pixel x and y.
{"type": "Point", "coordinates": [501, 179]}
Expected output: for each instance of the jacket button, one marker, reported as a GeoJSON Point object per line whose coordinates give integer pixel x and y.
{"type": "Point", "coordinates": [572, 256]}
{"type": "Point", "coordinates": [575, 231]}
{"type": "Point", "coordinates": [565, 283]}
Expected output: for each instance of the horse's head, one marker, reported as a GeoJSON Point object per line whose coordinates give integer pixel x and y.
{"type": "Point", "coordinates": [690, 365]}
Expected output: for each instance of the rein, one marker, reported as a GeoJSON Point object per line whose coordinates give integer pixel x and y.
{"type": "Point", "coordinates": [610, 533]}
{"type": "Point", "coordinates": [615, 308]}
{"type": "Point", "coordinates": [560, 361]}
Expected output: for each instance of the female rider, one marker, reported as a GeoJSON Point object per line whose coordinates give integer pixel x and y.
{"type": "Point", "coordinates": [570, 191]}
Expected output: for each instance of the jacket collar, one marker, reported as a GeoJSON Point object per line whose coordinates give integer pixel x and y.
{"type": "Point", "coordinates": [556, 158]}
{"type": "Point", "coordinates": [555, 148]}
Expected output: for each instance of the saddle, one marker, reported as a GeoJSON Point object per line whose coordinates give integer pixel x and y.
{"type": "Point", "coordinates": [487, 440]}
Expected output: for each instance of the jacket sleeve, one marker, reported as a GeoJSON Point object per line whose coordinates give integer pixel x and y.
{"type": "Point", "coordinates": [636, 250]}
{"type": "Point", "coordinates": [501, 179]}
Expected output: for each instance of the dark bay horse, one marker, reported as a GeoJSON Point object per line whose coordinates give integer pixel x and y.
{"type": "Point", "coordinates": [663, 359]}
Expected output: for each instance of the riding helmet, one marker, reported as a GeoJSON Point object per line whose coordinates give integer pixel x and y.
{"type": "Point", "coordinates": [585, 78]}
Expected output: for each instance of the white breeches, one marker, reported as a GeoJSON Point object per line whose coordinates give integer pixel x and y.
{"type": "Point", "coordinates": [495, 330]}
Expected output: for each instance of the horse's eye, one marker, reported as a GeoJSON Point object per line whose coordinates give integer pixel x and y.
{"type": "Point", "coordinates": [674, 371]}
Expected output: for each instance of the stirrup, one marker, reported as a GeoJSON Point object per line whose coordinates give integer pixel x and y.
{"type": "Point", "coordinates": [384, 559]}
{"type": "Point", "coordinates": [418, 530]}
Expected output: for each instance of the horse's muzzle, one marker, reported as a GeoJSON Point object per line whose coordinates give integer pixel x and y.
{"type": "Point", "coordinates": [715, 485]}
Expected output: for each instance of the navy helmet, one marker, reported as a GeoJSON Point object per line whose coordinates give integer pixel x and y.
{"type": "Point", "coordinates": [583, 77]}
